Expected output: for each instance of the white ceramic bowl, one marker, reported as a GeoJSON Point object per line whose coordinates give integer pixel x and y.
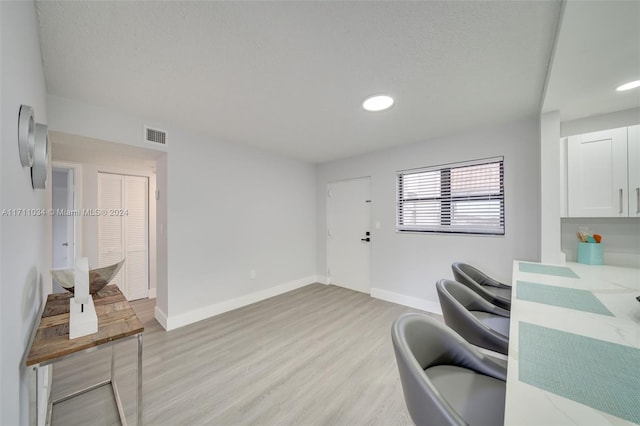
{"type": "Point", "coordinates": [98, 278]}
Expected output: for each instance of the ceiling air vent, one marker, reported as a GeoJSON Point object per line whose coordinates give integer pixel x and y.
{"type": "Point", "coordinates": [155, 136]}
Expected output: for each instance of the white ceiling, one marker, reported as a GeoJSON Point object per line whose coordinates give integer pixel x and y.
{"type": "Point", "coordinates": [598, 49]}
{"type": "Point", "coordinates": [290, 76]}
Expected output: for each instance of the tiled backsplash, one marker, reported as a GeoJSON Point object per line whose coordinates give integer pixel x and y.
{"type": "Point", "coordinates": [620, 237]}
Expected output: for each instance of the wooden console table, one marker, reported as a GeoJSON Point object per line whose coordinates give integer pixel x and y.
{"type": "Point", "coordinates": [116, 323]}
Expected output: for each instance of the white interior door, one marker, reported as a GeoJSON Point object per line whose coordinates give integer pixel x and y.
{"type": "Point", "coordinates": [348, 234]}
{"type": "Point", "coordinates": [125, 235]}
{"type": "Point", "coordinates": [111, 227]}
{"type": "Point", "coordinates": [136, 236]}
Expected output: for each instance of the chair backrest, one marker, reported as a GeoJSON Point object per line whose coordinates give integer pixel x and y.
{"type": "Point", "coordinates": [478, 281]}
{"type": "Point", "coordinates": [420, 342]}
{"type": "Point", "coordinates": [456, 301]}
{"type": "Point", "coordinates": [466, 271]}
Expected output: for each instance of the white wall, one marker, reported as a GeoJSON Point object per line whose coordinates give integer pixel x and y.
{"type": "Point", "coordinates": [550, 189]}
{"type": "Point", "coordinates": [26, 241]}
{"type": "Point", "coordinates": [230, 209]}
{"type": "Point", "coordinates": [628, 117]}
{"type": "Point", "coordinates": [234, 209]}
{"type": "Point", "coordinates": [408, 265]}
{"type": "Point", "coordinates": [162, 291]}
{"type": "Point", "coordinates": [79, 118]}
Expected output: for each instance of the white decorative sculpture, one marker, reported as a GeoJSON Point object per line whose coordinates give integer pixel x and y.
{"type": "Point", "coordinates": [81, 280]}
{"type": "Point", "coordinates": [83, 319]}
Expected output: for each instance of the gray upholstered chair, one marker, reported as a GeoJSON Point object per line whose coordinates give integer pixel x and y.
{"type": "Point", "coordinates": [445, 380]}
{"type": "Point", "coordinates": [474, 318]}
{"type": "Point", "coordinates": [494, 291]}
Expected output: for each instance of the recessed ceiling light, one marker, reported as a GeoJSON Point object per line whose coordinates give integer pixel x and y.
{"type": "Point", "coordinates": [629, 86]}
{"type": "Point", "coordinates": [377, 103]}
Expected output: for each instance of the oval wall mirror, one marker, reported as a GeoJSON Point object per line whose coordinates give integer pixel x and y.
{"type": "Point", "coordinates": [26, 135]}
{"type": "Point", "coordinates": [40, 157]}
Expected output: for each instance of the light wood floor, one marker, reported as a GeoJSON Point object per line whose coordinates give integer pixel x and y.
{"type": "Point", "coordinates": [319, 355]}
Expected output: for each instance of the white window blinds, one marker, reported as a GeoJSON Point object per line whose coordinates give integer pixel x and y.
{"type": "Point", "coordinates": [457, 198]}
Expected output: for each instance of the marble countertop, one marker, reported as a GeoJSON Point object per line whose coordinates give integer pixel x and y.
{"type": "Point", "coordinates": [617, 331]}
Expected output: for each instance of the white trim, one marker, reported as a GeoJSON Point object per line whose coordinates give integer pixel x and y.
{"type": "Point", "coordinates": [160, 316]}
{"type": "Point", "coordinates": [322, 279]}
{"type": "Point", "coordinates": [152, 293]}
{"type": "Point", "coordinates": [78, 206]}
{"type": "Point", "coordinates": [186, 318]}
{"type": "Point", "coordinates": [410, 301]}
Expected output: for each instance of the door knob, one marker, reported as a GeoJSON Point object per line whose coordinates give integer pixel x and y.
{"type": "Point", "coordinates": [366, 239]}
{"type": "Point", "coordinates": [65, 244]}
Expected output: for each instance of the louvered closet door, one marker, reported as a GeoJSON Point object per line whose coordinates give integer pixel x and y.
{"type": "Point", "coordinates": [125, 236]}
{"type": "Point", "coordinates": [110, 228]}
{"type": "Point", "coordinates": [136, 236]}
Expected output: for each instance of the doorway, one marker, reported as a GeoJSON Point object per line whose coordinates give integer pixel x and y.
{"type": "Point", "coordinates": [65, 220]}
{"type": "Point", "coordinates": [349, 234]}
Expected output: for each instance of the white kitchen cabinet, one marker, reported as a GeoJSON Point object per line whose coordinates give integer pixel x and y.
{"type": "Point", "coordinates": [598, 177]}
{"type": "Point", "coordinates": [633, 163]}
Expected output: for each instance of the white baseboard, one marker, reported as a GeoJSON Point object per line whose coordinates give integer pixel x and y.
{"type": "Point", "coordinates": [160, 316]}
{"type": "Point", "coordinates": [322, 279]}
{"type": "Point", "coordinates": [180, 320]}
{"type": "Point", "coordinates": [152, 293]}
{"type": "Point", "coordinates": [410, 301]}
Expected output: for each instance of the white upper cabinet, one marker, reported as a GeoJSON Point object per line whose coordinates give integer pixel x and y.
{"type": "Point", "coordinates": [598, 177]}
{"type": "Point", "coordinates": [633, 149]}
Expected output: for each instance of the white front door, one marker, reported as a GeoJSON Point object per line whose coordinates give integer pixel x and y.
{"type": "Point", "coordinates": [348, 234]}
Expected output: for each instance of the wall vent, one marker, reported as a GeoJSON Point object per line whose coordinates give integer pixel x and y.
{"type": "Point", "coordinates": [155, 136]}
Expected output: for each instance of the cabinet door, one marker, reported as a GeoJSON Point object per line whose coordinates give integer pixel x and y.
{"type": "Point", "coordinates": [597, 174]}
{"type": "Point", "coordinates": [633, 160]}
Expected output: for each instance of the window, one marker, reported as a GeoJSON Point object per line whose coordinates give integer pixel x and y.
{"type": "Point", "coordinates": [464, 198]}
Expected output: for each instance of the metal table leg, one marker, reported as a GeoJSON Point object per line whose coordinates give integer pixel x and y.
{"type": "Point", "coordinates": [34, 389]}
{"type": "Point", "coordinates": [114, 388]}
{"type": "Point", "coordinates": [139, 391]}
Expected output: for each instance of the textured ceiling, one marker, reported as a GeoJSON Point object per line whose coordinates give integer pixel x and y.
{"type": "Point", "coordinates": [290, 76]}
{"type": "Point", "coordinates": [598, 49]}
